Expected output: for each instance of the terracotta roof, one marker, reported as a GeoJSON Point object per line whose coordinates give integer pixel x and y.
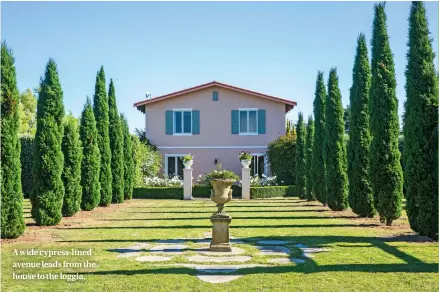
{"type": "Point", "coordinates": [289, 104]}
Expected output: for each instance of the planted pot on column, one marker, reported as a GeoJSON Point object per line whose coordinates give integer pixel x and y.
{"type": "Point", "coordinates": [221, 181]}
{"type": "Point", "coordinates": [188, 160]}
{"type": "Point", "coordinates": [246, 159]}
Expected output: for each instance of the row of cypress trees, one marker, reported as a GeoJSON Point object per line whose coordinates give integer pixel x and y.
{"type": "Point", "coordinates": [75, 166]}
{"type": "Point", "coordinates": [367, 174]}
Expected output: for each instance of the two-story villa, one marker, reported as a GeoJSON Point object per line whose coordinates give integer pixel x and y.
{"type": "Point", "coordinates": [214, 122]}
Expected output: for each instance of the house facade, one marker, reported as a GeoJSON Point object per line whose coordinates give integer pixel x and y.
{"type": "Point", "coordinates": [214, 122]}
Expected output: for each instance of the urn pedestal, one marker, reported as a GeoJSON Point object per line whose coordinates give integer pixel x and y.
{"type": "Point", "coordinates": [220, 233]}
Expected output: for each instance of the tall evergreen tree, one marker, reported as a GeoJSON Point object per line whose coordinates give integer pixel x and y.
{"type": "Point", "coordinates": [308, 146]}
{"type": "Point", "coordinates": [360, 192]}
{"type": "Point", "coordinates": [100, 108]}
{"type": "Point", "coordinates": [385, 171]}
{"type": "Point", "coordinates": [318, 162]}
{"type": "Point", "coordinates": [129, 167]}
{"type": "Point", "coordinates": [336, 177]}
{"type": "Point", "coordinates": [301, 157]}
{"type": "Point", "coordinates": [47, 195]}
{"type": "Point", "coordinates": [116, 145]}
{"type": "Point", "coordinates": [90, 165]}
{"type": "Point", "coordinates": [420, 127]}
{"type": "Point", "coordinates": [71, 176]}
{"type": "Point", "coordinates": [12, 221]}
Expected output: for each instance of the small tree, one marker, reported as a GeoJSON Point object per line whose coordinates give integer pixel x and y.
{"type": "Point", "coordinates": [12, 222]}
{"type": "Point", "coordinates": [318, 162]}
{"type": "Point", "coordinates": [360, 192]}
{"type": "Point", "coordinates": [28, 113]}
{"type": "Point", "coordinates": [278, 150]}
{"type": "Point", "coordinates": [308, 147]}
{"type": "Point", "coordinates": [301, 157]}
{"type": "Point", "coordinates": [47, 195]}
{"type": "Point", "coordinates": [71, 176]}
{"type": "Point", "coordinates": [128, 160]}
{"type": "Point", "coordinates": [420, 127]}
{"type": "Point", "coordinates": [336, 177]}
{"type": "Point", "coordinates": [385, 171]}
{"type": "Point", "coordinates": [90, 166]}
{"type": "Point", "coordinates": [100, 108]}
{"type": "Point", "coordinates": [116, 145]}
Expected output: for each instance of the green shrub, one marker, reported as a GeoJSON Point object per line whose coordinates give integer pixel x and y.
{"type": "Point", "coordinates": [128, 171]}
{"type": "Point", "coordinates": [26, 160]}
{"type": "Point", "coordinates": [203, 191]}
{"type": "Point", "coordinates": [273, 192]}
{"type": "Point", "coordinates": [218, 173]}
{"type": "Point", "coordinates": [147, 161]}
{"type": "Point", "coordinates": [301, 156]}
{"type": "Point", "coordinates": [158, 193]}
{"type": "Point", "coordinates": [281, 156]}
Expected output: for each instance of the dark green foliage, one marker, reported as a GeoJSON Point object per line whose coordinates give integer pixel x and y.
{"type": "Point", "coordinates": [274, 191]}
{"type": "Point", "coordinates": [385, 171]}
{"type": "Point", "coordinates": [346, 120]}
{"type": "Point", "coordinates": [71, 176]}
{"type": "Point", "coordinates": [318, 161]}
{"type": "Point", "coordinates": [420, 127]}
{"type": "Point", "coordinates": [360, 192]}
{"type": "Point", "coordinates": [27, 160]}
{"type": "Point", "coordinates": [100, 108]}
{"type": "Point", "coordinates": [116, 146]}
{"type": "Point", "coordinates": [141, 134]}
{"type": "Point", "coordinates": [48, 192]}
{"type": "Point", "coordinates": [12, 222]}
{"type": "Point", "coordinates": [277, 151]}
{"type": "Point", "coordinates": [335, 148]}
{"type": "Point", "coordinates": [308, 148]}
{"type": "Point", "coordinates": [158, 193]}
{"type": "Point", "coordinates": [301, 157]}
{"type": "Point", "coordinates": [128, 171]}
{"type": "Point", "coordinates": [90, 165]}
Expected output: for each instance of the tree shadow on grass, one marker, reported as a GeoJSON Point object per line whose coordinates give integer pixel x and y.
{"type": "Point", "coordinates": [230, 211]}
{"type": "Point", "coordinates": [234, 217]}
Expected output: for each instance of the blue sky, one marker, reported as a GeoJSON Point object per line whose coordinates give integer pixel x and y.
{"type": "Point", "coordinates": [161, 47]}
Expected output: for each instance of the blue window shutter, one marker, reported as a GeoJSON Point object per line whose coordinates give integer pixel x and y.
{"type": "Point", "coordinates": [169, 122]}
{"type": "Point", "coordinates": [235, 122]}
{"type": "Point", "coordinates": [261, 121]}
{"type": "Point", "coordinates": [215, 96]}
{"type": "Point", "coordinates": [196, 122]}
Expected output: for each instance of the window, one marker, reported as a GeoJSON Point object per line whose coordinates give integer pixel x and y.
{"type": "Point", "coordinates": [183, 122]}
{"type": "Point", "coordinates": [174, 166]}
{"type": "Point", "coordinates": [258, 166]}
{"type": "Point", "coordinates": [248, 122]}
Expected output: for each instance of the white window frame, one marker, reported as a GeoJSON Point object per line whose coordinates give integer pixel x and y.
{"type": "Point", "coordinates": [248, 121]}
{"type": "Point", "coordinates": [265, 162]}
{"type": "Point", "coordinates": [176, 162]}
{"type": "Point", "coordinates": [174, 126]}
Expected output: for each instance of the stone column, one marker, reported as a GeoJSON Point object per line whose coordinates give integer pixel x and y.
{"type": "Point", "coordinates": [245, 185]}
{"type": "Point", "coordinates": [220, 233]}
{"type": "Point", "coordinates": [187, 184]}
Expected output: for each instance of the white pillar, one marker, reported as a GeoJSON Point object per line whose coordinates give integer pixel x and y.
{"type": "Point", "coordinates": [187, 184]}
{"type": "Point", "coordinates": [245, 183]}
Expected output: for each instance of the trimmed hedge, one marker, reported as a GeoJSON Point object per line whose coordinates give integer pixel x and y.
{"type": "Point", "coordinates": [27, 159]}
{"type": "Point", "coordinates": [273, 191]}
{"type": "Point", "coordinates": [158, 193]}
{"type": "Point", "coordinates": [203, 191]}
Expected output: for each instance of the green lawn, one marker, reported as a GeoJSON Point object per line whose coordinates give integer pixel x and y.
{"type": "Point", "coordinates": [363, 256]}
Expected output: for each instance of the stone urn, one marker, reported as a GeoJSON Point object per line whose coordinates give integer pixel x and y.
{"type": "Point", "coordinates": [188, 164]}
{"type": "Point", "coordinates": [221, 194]}
{"type": "Point", "coordinates": [246, 163]}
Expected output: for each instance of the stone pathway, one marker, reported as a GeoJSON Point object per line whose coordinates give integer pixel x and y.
{"type": "Point", "coordinates": [201, 258]}
{"type": "Point", "coordinates": [273, 250]}
{"type": "Point", "coordinates": [153, 259]}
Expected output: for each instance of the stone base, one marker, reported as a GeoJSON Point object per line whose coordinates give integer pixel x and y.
{"type": "Point", "coordinates": [220, 233]}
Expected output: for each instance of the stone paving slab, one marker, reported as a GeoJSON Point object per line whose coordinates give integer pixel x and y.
{"type": "Point", "coordinates": [200, 258]}
{"type": "Point", "coordinates": [170, 241]}
{"type": "Point", "coordinates": [272, 242]}
{"type": "Point", "coordinates": [218, 278]}
{"type": "Point", "coordinates": [168, 248]}
{"type": "Point", "coordinates": [129, 254]}
{"type": "Point", "coordinates": [286, 261]}
{"type": "Point", "coordinates": [153, 259]}
{"type": "Point", "coordinates": [273, 250]}
{"type": "Point", "coordinates": [206, 251]}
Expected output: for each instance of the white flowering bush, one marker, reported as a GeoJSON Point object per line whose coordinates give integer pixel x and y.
{"type": "Point", "coordinates": [162, 182]}
{"type": "Point", "coordinates": [256, 181]}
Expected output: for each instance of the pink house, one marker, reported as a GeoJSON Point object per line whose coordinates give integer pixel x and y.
{"type": "Point", "coordinates": [214, 122]}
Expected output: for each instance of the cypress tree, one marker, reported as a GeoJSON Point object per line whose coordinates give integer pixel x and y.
{"type": "Point", "coordinates": [128, 160]}
{"type": "Point", "coordinates": [360, 192]}
{"type": "Point", "coordinates": [47, 195]}
{"type": "Point", "coordinates": [71, 176]}
{"type": "Point", "coordinates": [90, 165]}
{"type": "Point", "coordinates": [336, 176]}
{"type": "Point", "coordinates": [12, 221]}
{"type": "Point", "coordinates": [385, 169]}
{"type": "Point", "coordinates": [308, 146]}
{"type": "Point", "coordinates": [100, 108]}
{"type": "Point", "coordinates": [318, 162]}
{"type": "Point", "coordinates": [300, 157]}
{"type": "Point", "coordinates": [420, 127]}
